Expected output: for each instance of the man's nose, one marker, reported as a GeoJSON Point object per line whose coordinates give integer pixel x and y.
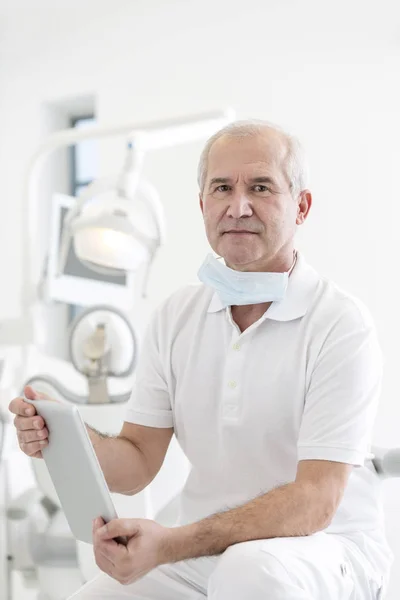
{"type": "Point", "coordinates": [239, 206]}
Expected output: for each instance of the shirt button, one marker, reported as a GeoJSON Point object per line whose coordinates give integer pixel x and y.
{"type": "Point", "coordinates": [236, 346]}
{"type": "Point", "coordinates": [232, 384]}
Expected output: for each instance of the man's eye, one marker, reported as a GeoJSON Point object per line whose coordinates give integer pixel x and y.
{"type": "Point", "coordinates": [222, 188]}
{"type": "Point", "coordinates": [261, 188]}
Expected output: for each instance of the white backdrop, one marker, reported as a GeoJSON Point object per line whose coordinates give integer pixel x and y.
{"type": "Point", "coordinates": [327, 71]}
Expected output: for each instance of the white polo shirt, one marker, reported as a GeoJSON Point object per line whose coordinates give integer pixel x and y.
{"type": "Point", "coordinates": [303, 382]}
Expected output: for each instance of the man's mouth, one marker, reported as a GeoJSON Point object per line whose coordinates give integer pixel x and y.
{"type": "Point", "coordinates": [240, 232]}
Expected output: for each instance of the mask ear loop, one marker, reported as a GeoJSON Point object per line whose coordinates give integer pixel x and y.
{"type": "Point", "coordinates": [294, 262]}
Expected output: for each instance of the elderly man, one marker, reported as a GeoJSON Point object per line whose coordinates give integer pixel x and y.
{"type": "Point", "coordinates": [269, 376]}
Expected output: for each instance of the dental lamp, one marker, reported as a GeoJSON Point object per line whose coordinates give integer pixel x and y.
{"type": "Point", "coordinates": [117, 223]}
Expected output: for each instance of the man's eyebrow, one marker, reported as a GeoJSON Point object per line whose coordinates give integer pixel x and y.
{"type": "Point", "coordinates": [262, 179]}
{"type": "Point", "coordinates": [258, 179]}
{"type": "Point", "coordinates": [215, 180]}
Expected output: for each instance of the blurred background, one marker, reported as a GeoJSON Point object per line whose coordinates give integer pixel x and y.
{"type": "Point", "coordinates": [326, 71]}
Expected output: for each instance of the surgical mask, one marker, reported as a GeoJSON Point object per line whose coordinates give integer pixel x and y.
{"type": "Point", "coordinates": [236, 288]}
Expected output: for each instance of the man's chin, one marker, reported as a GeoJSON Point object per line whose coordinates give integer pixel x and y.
{"type": "Point", "coordinates": [238, 253]}
{"type": "Point", "coordinates": [240, 260]}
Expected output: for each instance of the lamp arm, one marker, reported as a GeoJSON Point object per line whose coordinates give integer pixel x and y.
{"type": "Point", "coordinates": [158, 134]}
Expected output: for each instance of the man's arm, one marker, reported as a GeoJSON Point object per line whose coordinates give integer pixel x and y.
{"type": "Point", "coordinates": [131, 460]}
{"type": "Point", "coordinates": [300, 508]}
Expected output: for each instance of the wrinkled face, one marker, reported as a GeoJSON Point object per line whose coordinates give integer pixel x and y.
{"type": "Point", "coordinates": [249, 212]}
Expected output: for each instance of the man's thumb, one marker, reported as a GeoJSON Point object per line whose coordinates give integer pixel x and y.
{"type": "Point", "coordinates": [30, 393]}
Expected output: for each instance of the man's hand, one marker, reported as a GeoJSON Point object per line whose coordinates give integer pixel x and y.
{"type": "Point", "coordinates": [31, 429]}
{"type": "Point", "coordinates": [146, 549]}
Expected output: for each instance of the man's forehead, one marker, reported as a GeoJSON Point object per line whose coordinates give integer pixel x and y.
{"type": "Point", "coordinates": [247, 169]}
{"type": "Point", "coordinates": [250, 154]}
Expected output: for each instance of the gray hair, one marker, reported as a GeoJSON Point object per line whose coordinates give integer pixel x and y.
{"type": "Point", "coordinates": [295, 160]}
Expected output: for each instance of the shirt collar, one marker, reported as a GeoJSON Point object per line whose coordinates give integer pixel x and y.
{"type": "Point", "coordinates": [300, 291]}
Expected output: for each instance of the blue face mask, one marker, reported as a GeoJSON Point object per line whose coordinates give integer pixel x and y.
{"type": "Point", "coordinates": [236, 288]}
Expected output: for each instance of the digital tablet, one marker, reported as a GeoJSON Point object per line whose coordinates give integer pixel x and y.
{"type": "Point", "coordinates": [74, 469]}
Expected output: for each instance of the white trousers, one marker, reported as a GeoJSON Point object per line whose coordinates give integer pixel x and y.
{"type": "Point", "coordinates": [317, 567]}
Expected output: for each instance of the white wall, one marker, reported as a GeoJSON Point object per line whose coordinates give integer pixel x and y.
{"type": "Point", "coordinates": [327, 71]}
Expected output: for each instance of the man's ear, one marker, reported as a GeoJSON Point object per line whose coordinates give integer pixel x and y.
{"type": "Point", "coordinates": [305, 202]}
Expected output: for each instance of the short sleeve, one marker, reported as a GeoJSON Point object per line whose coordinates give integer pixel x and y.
{"type": "Point", "coordinates": [343, 393]}
{"type": "Point", "coordinates": [150, 402]}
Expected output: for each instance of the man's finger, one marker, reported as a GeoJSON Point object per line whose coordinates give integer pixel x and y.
{"type": "Point", "coordinates": [32, 448]}
{"type": "Point", "coordinates": [32, 435]}
{"type": "Point", "coordinates": [111, 550]}
{"type": "Point", "coordinates": [104, 563]}
{"type": "Point", "coordinates": [101, 542]}
{"type": "Point", "coordinates": [19, 407]}
{"type": "Point", "coordinates": [31, 394]}
{"type": "Point", "coordinates": [37, 455]}
{"type": "Point", "coordinates": [29, 423]}
{"type": "Point", "coordinates": [116, 528]}
{"type": "Point", "coordinates": [97, 523]}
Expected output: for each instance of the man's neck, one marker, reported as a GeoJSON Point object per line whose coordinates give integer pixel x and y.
{"type": "Point", "coordinates": [245, 316]}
